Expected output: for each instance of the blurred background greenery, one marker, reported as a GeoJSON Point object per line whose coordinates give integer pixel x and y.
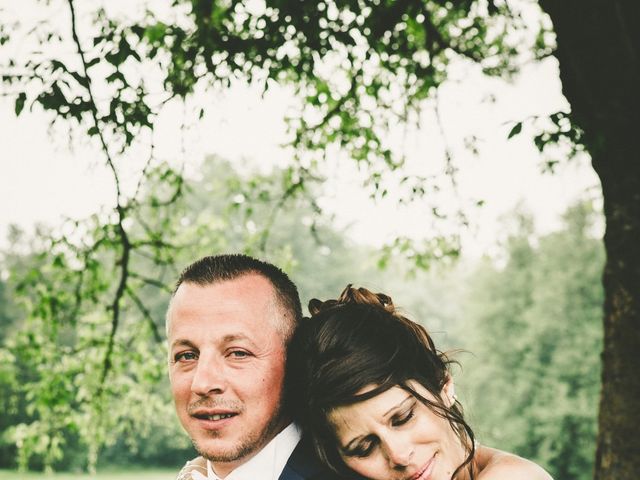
{"type": "Point", "coordinates": [527, 322]}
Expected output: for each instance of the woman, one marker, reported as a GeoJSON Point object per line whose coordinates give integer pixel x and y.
{"type": "Point", "coordinates": [375, 397]}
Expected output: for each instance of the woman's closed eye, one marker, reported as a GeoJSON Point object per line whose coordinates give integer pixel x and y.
{"type": "Point", "coordinates": [362, 449]}
{"type": "Point", "coordinates": [404, 417]}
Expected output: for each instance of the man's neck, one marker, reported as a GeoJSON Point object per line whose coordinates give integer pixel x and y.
{"type": "Point", "coordinates": [222, 469]}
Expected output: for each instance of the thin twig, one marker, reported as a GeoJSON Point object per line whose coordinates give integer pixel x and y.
{"type": "Point", "coordinates": [154, 242]}
{"type": "Point", "coordinates": [146, 314]}
{"type": "Point", "coordinates": [150, 256]}
{"type": "Point", "coordinates": [264, 237]}
{"type": "Point", "coordinates": [450, 169]}
{"type": "Point", "coordinates": [150, 281]}
{"type": "Point", "coordinates": [145, 169]}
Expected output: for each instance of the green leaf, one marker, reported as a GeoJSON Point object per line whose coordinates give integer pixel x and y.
{"type": "Point", "coordinates": [517, 128]}
{"type": "Point", "coordinates": [22, 97]}
{"type": "Point", "coordinates": [93, 62]}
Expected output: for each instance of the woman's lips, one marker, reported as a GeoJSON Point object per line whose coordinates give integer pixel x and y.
{"type": "Point", "coordinates": [425, 472]}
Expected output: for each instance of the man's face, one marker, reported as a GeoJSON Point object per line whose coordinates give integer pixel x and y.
{"type": "Point", "coordinates": [226, 367]}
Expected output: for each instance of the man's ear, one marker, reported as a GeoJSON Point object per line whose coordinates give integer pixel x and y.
{"type": "Point", "coordinates": [449, 392]}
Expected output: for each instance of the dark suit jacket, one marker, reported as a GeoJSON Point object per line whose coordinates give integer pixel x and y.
{"type": "Point", "coordinates": [304, 465]}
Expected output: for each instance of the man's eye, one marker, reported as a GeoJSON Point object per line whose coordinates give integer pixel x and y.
{"type": "Point", "coordinates": [239, 354]}
{"type": "Point", "coordinates": [185, 356]}
{"type": "Point", "coordinates": [403, 418]}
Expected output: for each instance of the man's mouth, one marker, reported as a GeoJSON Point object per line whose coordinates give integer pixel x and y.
{"type": "Point", "coordinates": [214, 417]}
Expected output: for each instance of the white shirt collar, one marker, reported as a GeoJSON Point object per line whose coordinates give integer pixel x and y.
{"type": "Point", "coordinates": [267, 464]}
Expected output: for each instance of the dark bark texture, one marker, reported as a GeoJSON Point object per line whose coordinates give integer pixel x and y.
{"type": "Point", "coordinates": [598, 48]}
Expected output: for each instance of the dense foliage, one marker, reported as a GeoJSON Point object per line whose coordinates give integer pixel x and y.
{"type": "Point", "coordinates": [535, 337]}
{"type": "Point", "coordinates": [359, 71]}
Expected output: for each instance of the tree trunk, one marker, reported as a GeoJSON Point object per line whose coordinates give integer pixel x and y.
{"type": "Point", "coordinates": [598, 47]}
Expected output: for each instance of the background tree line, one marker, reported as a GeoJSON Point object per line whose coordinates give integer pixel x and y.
{"type": "Point", "coordinates": [529, 378]}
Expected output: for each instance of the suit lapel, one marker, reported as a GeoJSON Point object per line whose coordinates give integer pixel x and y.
{"type": "Point", "coordinates": [302, 465]}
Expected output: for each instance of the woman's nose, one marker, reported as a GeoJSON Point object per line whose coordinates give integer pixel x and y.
{"type": "Point", "coordinates": [399, 452]}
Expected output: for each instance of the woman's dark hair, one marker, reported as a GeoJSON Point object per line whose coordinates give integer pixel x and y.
{"type": "Point", "coordinates": [357, 341]}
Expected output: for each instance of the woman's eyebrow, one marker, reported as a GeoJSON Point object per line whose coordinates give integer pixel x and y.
{"type": "Point", "coordinates": [398, 405]}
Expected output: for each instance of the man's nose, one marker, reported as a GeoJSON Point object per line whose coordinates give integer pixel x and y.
{"type": "Point", "coordinates": [209, 376]}
{"type": "Point", "coordinates": [398, 450]}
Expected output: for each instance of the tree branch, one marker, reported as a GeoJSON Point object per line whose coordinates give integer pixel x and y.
{"type": "Point", "coordinates": [151, 281]}
{"type": "Point", "coordinates": [115, 305]}
{"type": "Point", "coordinates": [94, 108]}
{"type": "Point", "coordinates": [123, 261]}
{"type": "Point", "coordinates": [450, 169]}
{"type": "Point", "coordinates": [146, 314]}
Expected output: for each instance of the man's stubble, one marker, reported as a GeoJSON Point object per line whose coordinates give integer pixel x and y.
{"type": "Point", "coordinates": [249, 446]}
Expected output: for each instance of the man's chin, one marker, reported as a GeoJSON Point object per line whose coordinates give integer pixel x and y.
{"type": "Point", "coordinates": [222, 447]}
{"type": "Point", "coordinates": [221, 451]}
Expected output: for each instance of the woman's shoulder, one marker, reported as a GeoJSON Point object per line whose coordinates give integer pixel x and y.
{"type": "Point", "coordinates": [498, 465]}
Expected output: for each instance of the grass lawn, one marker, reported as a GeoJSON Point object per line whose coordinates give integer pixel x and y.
{"type": "Point", "coordinates": [114, 475]}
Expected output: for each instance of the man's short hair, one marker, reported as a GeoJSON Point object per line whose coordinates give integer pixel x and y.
{"type": "Point", "coordinates": [219, 268]}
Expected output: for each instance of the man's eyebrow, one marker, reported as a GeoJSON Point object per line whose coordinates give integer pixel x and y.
{"type": "Point", "coordinates": [182, 342]}
{"type": "Point", "coordinates": [349, 446]}
{"type": "Point", "coordinates": [232, 337]}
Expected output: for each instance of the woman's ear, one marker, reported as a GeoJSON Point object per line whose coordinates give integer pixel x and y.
{"type": "Point", "coordinates": [449, 392]}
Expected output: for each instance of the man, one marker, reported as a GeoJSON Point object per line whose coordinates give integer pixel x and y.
{"type": "Point", "coordinates": [228, 325]}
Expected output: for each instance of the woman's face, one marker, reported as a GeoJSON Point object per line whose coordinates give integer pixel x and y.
{"type": "Point", "coordinates": [394, 436]}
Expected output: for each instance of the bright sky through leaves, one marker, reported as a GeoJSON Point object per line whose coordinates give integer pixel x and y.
{"type": "Point", "coordinates": [42, 180]}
